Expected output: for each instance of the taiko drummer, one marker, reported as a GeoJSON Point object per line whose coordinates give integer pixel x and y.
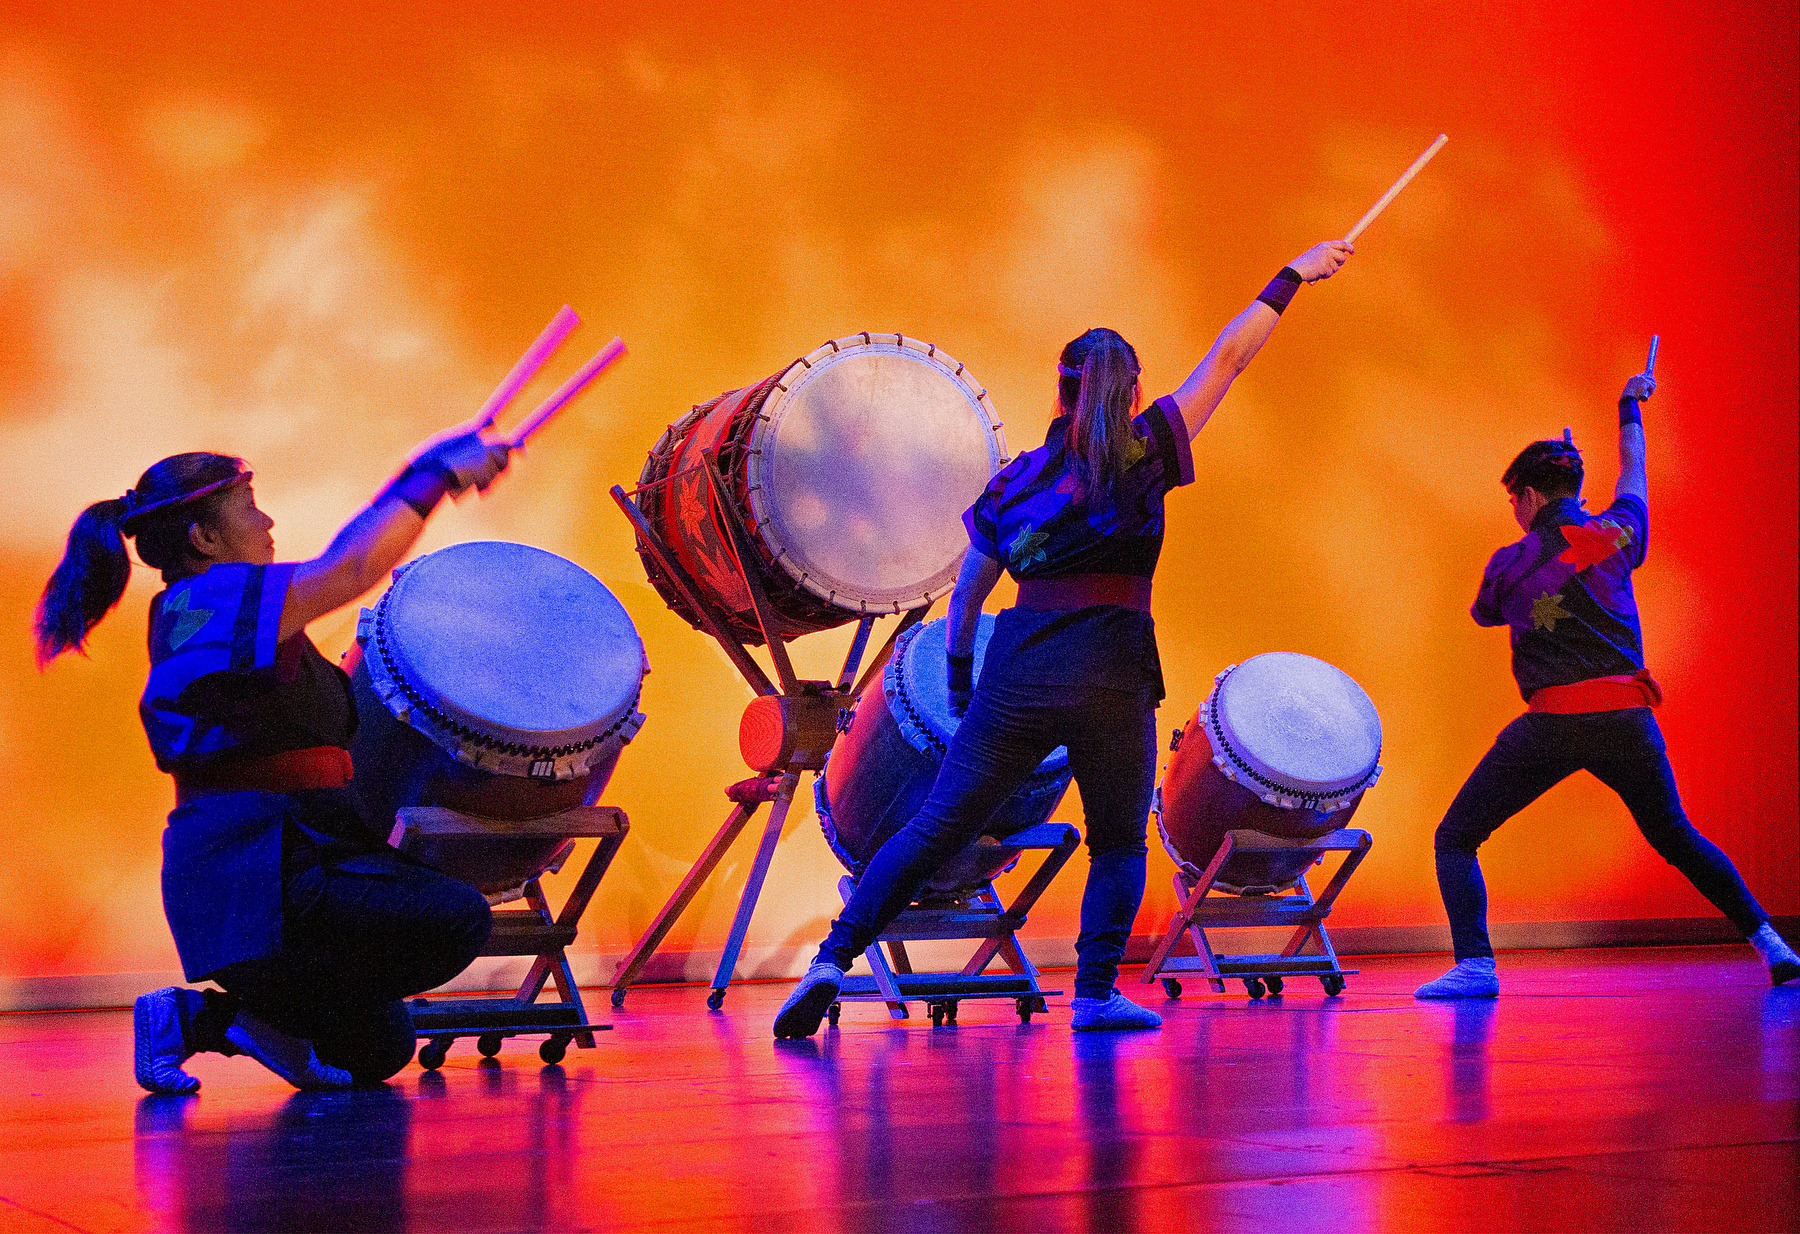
{"type": "Point", "coordinates": [1564, 592]}
{"type": "Point", "coordinates": [273, 887]}
{"type": "Point", "coordinates": [1079, 523]}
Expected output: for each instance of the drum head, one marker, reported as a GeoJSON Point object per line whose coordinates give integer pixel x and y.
{"type": "Point", "coordinates": [514, 650]}
{"type": "Point", "coordinates": [918, 689]}
{"type": "Point", "coordinates": [1294, 728]}
{"type": "Point", "coordinates": [867, 454]}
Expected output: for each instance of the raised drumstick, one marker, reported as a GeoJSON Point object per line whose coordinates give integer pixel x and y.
{"type": "Point", "coordinates": [1650, 368]}
{"type": "Point", "coordinates": [569, 389]}
{"type": "Point", "coordinates": [548, 341]}
{"type": "Point", "coordinates": [1405, 179]}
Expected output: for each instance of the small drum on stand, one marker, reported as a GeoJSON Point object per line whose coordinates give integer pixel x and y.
{"type": "Point", "coordinates": [851, 468]}
{"type": "Point", "coordinates": [500, 681]}
{"type": "Point", "coordinates": [1285, 745]}
{"type": "Point", "coordinates": [882, 769]}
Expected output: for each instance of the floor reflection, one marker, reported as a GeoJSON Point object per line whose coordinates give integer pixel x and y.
{"type": "Point", "coordinates": [1469, 1073]}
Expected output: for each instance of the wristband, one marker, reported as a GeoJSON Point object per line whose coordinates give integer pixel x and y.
{"type": "Point", "coordinates": [1281, 289]}
{"type": "Point", "coordinates": [422, 485]}
{"type": "Point", "coordinates": [962, 672]}
{"type": "Point", "coordinates": [1629, 412]}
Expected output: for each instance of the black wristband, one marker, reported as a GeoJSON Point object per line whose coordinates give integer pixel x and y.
{"type": "Point", "coordinates": [1629, 412]}
{"type": "Point", "coordinates": [962, 672]}
{"type": "Point", "coordinates": [422, 485]}
{"type": "Point", "coordinates": [1281, 289]}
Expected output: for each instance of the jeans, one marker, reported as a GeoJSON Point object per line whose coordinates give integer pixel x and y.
{"type": "Point", "coordinates": [1009, 730]}
{"type": "Point", "coordinates": [360, 935]}
{"type": "Point", "coordinates": [1624, 750]}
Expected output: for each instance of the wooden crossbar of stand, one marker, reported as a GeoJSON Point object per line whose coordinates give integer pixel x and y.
{"type": "Point", "coordinates": [532, 931]}
{"type": "Point", "coordinates": [777, 784]}
{"type": "Point", "coordinates": [1199, 910]}
{"type": "Point", "coordinates": [981, 915]}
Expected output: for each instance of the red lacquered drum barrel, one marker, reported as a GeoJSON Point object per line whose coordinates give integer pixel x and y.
{"type": "Point", "coordinates": [851, 468]}
{"type": "Point", "coordinates": [880, 771]}
{"type": "Point", "coordinates": [498, 680]}
{"type": "Point", "coordinates": [1285, 745]}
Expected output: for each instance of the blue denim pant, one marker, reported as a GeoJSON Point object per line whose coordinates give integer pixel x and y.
{"type": "Point", "coordinates": [1010, 729]}
{"type": "Point", "coordinates": [1624, 750]}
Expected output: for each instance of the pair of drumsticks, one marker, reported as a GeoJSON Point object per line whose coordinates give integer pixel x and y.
{"type": "Point", "coordinates": [566, 320]}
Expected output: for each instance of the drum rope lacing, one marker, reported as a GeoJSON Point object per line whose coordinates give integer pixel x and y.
{"type": "Point", "coordinates": [1308, 801]}
{"type": "Point", "coordinates": [473, 736]}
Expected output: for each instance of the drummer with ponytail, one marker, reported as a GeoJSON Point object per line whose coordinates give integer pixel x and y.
{"type": "Point", "coordinates": [1078, 523]}
{"type": "Point", "coordinates": [274, 887]}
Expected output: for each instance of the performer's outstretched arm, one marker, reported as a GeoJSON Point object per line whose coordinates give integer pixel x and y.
{"type": "Point", "coordinates": [1239, 341]}
{"type": "Point", "coordinates": [1633, 479]}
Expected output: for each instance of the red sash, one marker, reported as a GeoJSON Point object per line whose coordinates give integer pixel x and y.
{"type": "Point", "coordinates": [286, 772]}
{"type": "Point", "coordinates": [1598, 694]}
{"type": "Point", "coordinates": [1082, 590]}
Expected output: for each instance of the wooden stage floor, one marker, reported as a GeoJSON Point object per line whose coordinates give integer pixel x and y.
{"type": "Point", "coordinates": [1649, 1089]}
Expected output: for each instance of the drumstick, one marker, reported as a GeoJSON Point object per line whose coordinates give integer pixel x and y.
{"type": "Point", "coordinates": [1406, 176]}
{"type": "Point", "coordinates": [570, 388]}
{"type": "Point", "coordinates": [566, 319]}
{"type": "Point", "coordinates": [1650, 368]}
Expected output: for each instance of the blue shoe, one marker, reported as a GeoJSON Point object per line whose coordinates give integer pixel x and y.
{"type": "Point", "coordinates": [1469, 979]}
{"type": "Point", "coordinates": [1105, 1014]}
{"type": "Point", "coordinates": [158, 1045]}
{"type": "Point", "coordinates": [806, 1006]}
{"type": "Point", "coordinates": [291, 1058]}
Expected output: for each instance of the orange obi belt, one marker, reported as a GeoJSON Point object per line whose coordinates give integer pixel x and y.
{"type": "Point", "coordinates": [1638, 689]}
{"type": "Point", "coordinates": [287, 772]}
{"type": "Point", "coordinates": [1083, 590]}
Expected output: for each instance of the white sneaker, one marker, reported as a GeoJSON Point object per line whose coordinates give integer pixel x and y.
{"type": "Point", "coordinates": [291, 1058]}
{"type": "Point", "coordinates": [1105, 1014]}
{"type": "Point", "coordinates": [806, 1006]}
{"type": "Point", "coordinates": [1469, 979]}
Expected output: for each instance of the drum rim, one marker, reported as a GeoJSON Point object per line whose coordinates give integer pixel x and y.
{"type": "Point", "coordinates": [1269, 783]}
{"type": "Point", "coordinates": [457, 734]}
{"type": "Point", "coordinates": [784, 554]}
{"type": "Point", "coordinates": [910, 722]}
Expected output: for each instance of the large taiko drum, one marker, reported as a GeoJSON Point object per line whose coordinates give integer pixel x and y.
{"type": "Point", "coordinates": [851, 468]}
{"type": "Point", "coordinates": [1286, 745]}
{"type": "Point", "coordinates": [882, 769]}
{"type": "Point", "coordinates": [501, 681]}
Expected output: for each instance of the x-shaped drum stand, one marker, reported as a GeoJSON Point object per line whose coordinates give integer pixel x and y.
{"type": "Point", "coordinates": [1198, 912]}
{"type": "Point", "coordinates": [531, 931]}
{"type": "Point", "coordinates": [795, 723]}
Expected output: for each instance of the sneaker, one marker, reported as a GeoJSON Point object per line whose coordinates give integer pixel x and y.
{"type": "Point", "coordinates": [158, 1044]}
{"type": "Point", "coordinates": [805, 1007]}
{"type": "Point", "coordinates": [1469, 979]}
{"type": "Point", "coordinates": [291, 1058]}
{"type": "Point", "coordinates": [1783, 971]}
{"type": "Point", "coordinates": [1103, 1014]}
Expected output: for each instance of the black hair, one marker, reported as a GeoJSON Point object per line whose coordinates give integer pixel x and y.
{"type": "Point", "coordinates": [171, 497]}
{"type": "Point", "coordinates": [1553, 468]}
{"type": "Point", "coordinates": [1099, 385]}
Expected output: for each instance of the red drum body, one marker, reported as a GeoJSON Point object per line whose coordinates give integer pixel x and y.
{"type": "Point", "coordinates": [498, 680]}
{"type": "Point", "coordinates": [1285, 745]}
{"type": "Point", "coordinates": [851, 468]}
{"type": "Point", "coordinates": [881, 771]}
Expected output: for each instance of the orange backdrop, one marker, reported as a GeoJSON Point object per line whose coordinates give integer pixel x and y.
{"type": "Point", "coordinates": [311, 239]}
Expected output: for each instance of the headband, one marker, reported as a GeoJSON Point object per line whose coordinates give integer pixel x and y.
{"type": "Point", "coordinates": [1066, 371]}
{"type": "Point", "coordinates": [137, 509]}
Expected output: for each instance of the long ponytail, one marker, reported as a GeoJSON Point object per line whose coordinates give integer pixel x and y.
{"type": "Point", "coordinates": [172, 496]}
{"type": "Point", "coordinates": [1100, 386]}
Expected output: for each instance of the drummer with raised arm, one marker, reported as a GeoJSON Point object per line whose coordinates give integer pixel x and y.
{"type": "Point", "coordinates": [1564, 592]}
{"type": "Point", "coordinates": [1079, 523]}
{"type": "Point", "coordinates": [274, 888]}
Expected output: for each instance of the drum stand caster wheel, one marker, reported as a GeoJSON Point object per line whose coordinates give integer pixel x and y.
{"type": "Point", "coordinates": [552, 1051]}
{"type": "Point", "coordinates": [832, 1012]}
{"type": "Point", "coordinates": [1171, 987]}
{"type": "Point", "coordinates": [1274, 983]}
{"type": "Point", "coordinates": [1025, 1006]}
{"type": "Point", "coordinates": [431, 1055]}
{"type": "Point", "coordinates": [618, 996]}
{"type": "Point", "coordinates": [488, 1044]}
{"type": "Point", "coordinates": [1255, 986]}
{"type": "Point", "coordinates": [715, 1000]}
{"type": "Point", "coordinates": [1334, 985]}
{"type": "Point", "coordinates": [943, 1011]}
